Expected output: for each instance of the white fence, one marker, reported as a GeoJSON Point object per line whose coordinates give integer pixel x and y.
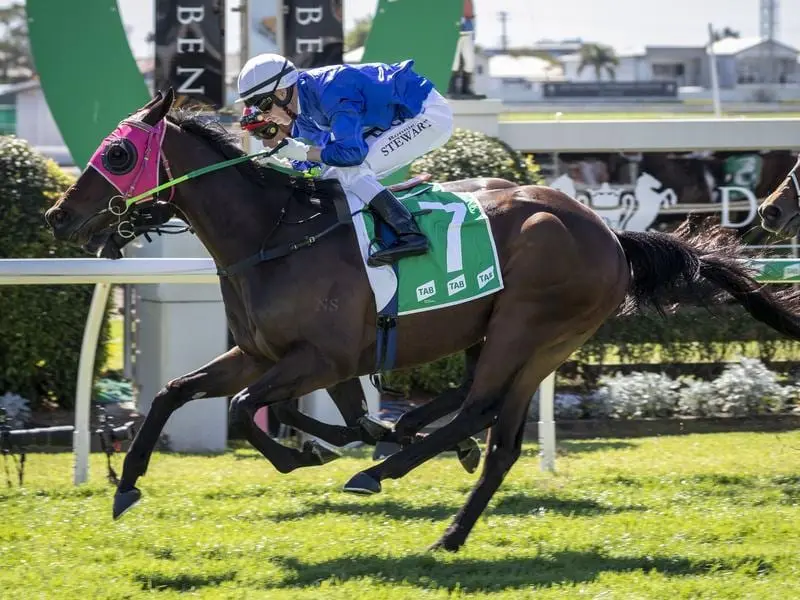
{"type": "Point", "coordinates": [652, 135]}
{"type": "Point", "coordinates": [103, 273]}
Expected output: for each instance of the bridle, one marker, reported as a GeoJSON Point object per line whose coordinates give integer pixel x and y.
{"type": "Point", "coordinates": [131, 160]}
{"type": "Point", "coordinates": [796, 180]}
{"type": "Point", "coordinates": [126, 160]}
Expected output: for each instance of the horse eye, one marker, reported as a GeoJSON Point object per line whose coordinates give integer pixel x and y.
{"type": "Point", "coordinates": [120, 157]}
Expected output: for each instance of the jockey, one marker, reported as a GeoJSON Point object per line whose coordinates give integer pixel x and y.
{"type": "Point", "coordinates": [359, 122]}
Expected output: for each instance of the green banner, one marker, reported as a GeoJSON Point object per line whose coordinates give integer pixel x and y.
{"type": "Point", "coordinates": [424, 30]}
{"type": "Point", "coordinates": [776, 270]}
{"type": "Point", "coordinates": [87, 72]}
{"type": "Point", "coordinates": [462, 263]}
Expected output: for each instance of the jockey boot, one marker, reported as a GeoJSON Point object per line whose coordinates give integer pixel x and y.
{"type": "Point", "coordinates": [452, 88]}
{"type": "Point", "coordinates": [410, 240]}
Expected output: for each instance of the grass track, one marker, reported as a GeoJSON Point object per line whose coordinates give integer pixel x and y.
{"type": "Point", "coordinates": [711, 516]}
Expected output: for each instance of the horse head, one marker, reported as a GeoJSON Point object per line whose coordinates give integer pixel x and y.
{"type": "Point", "coordinates": [101, 211]}
{"type": "Point", "coordinates": [780, 212]}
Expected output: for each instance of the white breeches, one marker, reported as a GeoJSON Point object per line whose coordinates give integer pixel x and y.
{"type": "Point", "coordinates": [396, 147]}
{"type": "Point", "coordinates": [465, 49]}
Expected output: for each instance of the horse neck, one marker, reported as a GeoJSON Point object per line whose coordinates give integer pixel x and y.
{"type": "Point", "coordinates": [230, 214]}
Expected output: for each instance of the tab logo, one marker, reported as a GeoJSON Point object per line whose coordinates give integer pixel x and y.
{"type": "Point", "coordinates": [459, 284]}
{"type": "Point", "coordinates": [791, 271]}
{"type": "Point", "coordinates": [484, 277]}
{"type": "Point", "coordinates": [426, 290]}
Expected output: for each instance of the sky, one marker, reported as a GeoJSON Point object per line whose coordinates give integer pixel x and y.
{"type": "Point", "coordinates": [623, 24]}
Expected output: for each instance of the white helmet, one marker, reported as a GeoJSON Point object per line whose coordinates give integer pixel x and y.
{"type": "Point", "coordinates": [265, 73]}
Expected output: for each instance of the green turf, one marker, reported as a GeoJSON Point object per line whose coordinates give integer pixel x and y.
{"type": "Point", "coordinates": [568, 115]}
{"type": "Point", "coordinates": [115, 345]}
{"type": "Point", "coordinates": [711, 516]}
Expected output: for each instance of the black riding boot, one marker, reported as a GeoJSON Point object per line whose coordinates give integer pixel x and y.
{"type": "Point", "coordinates": [452, 88]}
{"type": "Point", "coordinates": [410, 240]}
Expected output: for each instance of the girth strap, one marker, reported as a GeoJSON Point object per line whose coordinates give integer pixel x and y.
{"type": "Point", "coordinates": [265, 255]}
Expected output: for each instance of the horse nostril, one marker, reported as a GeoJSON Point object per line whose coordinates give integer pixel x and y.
{"type": "Point", "coordinates": [55, 217]}
{"type": "Point", "coordinates": [770, 212]}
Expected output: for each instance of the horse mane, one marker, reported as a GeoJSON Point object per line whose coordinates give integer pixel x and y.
{"type": "Point", "coordinates": [221, 140]}
{"type": "Point", "coordinates": [226, 143]}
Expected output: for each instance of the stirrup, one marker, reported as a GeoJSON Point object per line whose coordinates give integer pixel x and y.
{"type": "Point", "coordinates": [398, 251]}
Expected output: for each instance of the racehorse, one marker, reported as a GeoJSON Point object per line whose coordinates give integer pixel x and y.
{"type": "Point", "coordinates": [348, 396]}
{"type": "Point", "coordinates": [564, 271]}
{"type": "Point", "coordinates": [780, 211]}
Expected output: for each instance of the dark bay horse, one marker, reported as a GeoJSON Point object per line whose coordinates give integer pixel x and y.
{"type": "Point", "coordinates": [780, 211]}
{"type": "Point", "coordinates": [348, 396]}
{"type": "Point", "coordinates": [565, 273]}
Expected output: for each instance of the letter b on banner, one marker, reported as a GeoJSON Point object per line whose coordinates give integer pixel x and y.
{"type": "Point", "coordinates": [313, 32]}
{"type": "Point", "coordinates": [190, 51]}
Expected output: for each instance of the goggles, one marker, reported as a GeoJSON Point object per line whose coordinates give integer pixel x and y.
{"type": "Point", "coordinates": [255, 122]}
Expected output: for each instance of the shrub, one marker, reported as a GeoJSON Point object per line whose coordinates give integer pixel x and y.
{"type": "Point", "coordinates": [17, 410]}
{"type": "Point", "coordinates": [433, 378]}
{"type": "Point", "coordinates": [565, 406]}
{"type": "Point", "coordinates": [41, 327]}
{"type": "Point", "coordinates": [473, 154]}
{"type": "Point", "coordinates": [638, 395]}
{"type": "Point", "coordinates": [745, 388]}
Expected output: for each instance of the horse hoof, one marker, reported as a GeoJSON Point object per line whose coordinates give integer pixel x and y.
{"type": "Point", "coordinates": [322, 453]}
{"type": "Point", "coordinates": [469, 455]}
{"type": "Point", "coordinates": [374, 427]}
{"type": "Point", "coordinates": [124, 501]}
{"type": "Point", "coordinates": [442, 545]}
{"type": "Point", "coordinates": [361, 483]}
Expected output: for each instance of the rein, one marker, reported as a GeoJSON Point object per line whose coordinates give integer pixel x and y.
{"type": "Point", "coordinates": [795, 180]}
{"type": "Point", "coordinates": [119, 206]}
{"type": "Point", "coordinates": [127, 202]}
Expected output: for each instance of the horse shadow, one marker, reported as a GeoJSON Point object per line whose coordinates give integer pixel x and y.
{"type": "Point", "coordinates": [517, 504]}
{"type": "Point", "coordinates": [578, 447]}
{"type": "Point", "coordinates": [491, 575]}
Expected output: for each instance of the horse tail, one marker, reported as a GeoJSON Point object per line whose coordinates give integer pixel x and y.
{"type": "Point", "coordinates": [701, 267]}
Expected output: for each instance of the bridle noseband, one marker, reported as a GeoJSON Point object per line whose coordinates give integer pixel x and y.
{"type": "Point", "coordinates": [796, 180]}
{"type": "Point", "coordinates": [131, 160]}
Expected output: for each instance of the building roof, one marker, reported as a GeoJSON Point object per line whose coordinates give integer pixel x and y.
{"type": "Point", "coordinates": [733, 46]}
{"type": "Point", "coordinates": [505, 66]}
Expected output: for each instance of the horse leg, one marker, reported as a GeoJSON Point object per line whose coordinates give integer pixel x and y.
{"type": "Point", "coordinates": [348, 396]}
{"type": "Point", "coordinates": [223, 376]}
{"type": "Point", "coordinates": [504, 447]}
{"type": "Point", "coordinates": [300, 371]}
{"type": "Point", "coordinates": [409, 424]}
{"type": "Point", "coordinates": [483, 403]}
{"type": "Point", "coordinates": [285, 459]}
{"type": "Point", "coordinates": [407, 428]}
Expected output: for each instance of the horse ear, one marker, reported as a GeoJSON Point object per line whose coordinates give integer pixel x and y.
{"type": "Point", "coordinates": [158, 108]}
{"type": "Point", "coordinates": [153, 100]}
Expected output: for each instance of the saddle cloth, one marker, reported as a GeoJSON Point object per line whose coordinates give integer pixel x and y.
{"type": "Point", "coordinates": [461, 265]}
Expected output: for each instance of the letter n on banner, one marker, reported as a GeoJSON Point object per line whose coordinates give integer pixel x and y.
{"type": "Point", "coordinates": [190, 51]}
{"type": "Point", "coordinates": [313, 32]}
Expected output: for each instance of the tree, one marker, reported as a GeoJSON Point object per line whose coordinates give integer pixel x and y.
{"type": "Point", "coordinates": [15, 57]}
{"type": "Point", "coordinates": [600, 57]}
{"type": "Point", "coordinates": [357, 36]}
{"type": "Point", "coordinates": [727, 32]}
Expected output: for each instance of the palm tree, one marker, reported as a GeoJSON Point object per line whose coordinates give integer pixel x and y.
{"type": "Point", "coordinates": [600, 57]}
